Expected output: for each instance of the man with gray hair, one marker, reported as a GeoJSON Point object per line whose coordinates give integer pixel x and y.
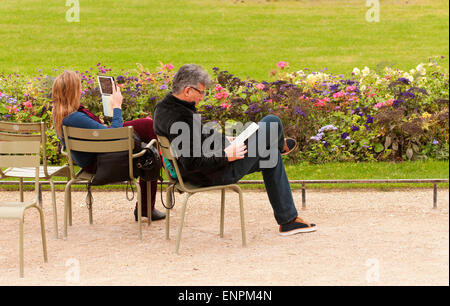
{"type": "Point", "coordinates": [226, 162]}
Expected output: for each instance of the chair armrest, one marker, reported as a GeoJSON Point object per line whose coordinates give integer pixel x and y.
{"type": "Point", "coordinates": [151, 143]}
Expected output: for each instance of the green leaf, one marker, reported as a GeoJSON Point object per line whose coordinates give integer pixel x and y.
{"type": "Point", "coordinates": [378, 147]}
{"type": "Point", "coordinates": [3, 109]}
{"type": "Point", "coordinates": [244, 107]}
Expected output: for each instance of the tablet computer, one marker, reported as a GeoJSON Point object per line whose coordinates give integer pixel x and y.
{"type": "Point", "coordinates": [106, 84]}
{"type": "Point", "coordinates": [249, 131]}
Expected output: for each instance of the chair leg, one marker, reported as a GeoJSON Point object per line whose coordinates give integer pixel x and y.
{"type": "Point", "coordinates": [180, 228]}
{"type": "Point", "coordinates": [241, 204]}
{"type": "Point", "coordinates": [21, 246]}
{"type": "Point", "coordinates": [70, 203]}
{"type": "Point", "coordinates": [139, 212]}
{"type": "Point", "coordinates": [21, 189]}
{"type": "Point", "coordinates": [149, 203]}
{"type": "Point", "coordinates": [222, 213]}
{"type": "Point", "coordinates": [44, 240]}
{"type": "Point", "coordinates": [90, 202]}
{"type": "Point", "coordinates": [168, 200]}
{"type": "Point", "coordinates": [55, 212]}
{"type": "Point", "coordinates": [67, 204]}
{"type": "Point", "coordinates": [40, 194]}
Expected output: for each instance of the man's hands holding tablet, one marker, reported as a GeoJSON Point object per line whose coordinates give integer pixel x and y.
{"type": "Point", "coordinates": [235, 151]}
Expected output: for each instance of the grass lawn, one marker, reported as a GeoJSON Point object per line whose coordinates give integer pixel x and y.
{"type": "Point", "coordinates": [246, 38]}
{"type": "Point", "coordinates": [341, 171]}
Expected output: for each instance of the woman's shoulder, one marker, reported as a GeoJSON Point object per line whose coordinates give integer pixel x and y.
{"type": "Point", "coordinates": [75, 117]}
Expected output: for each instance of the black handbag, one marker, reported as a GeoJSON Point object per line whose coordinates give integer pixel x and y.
{"type": "Point", "coordinates": [113, 167]}
{"type": "Point", "coordinates": [148, 165]}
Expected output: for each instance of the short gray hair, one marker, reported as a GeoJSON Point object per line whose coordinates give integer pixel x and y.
{"type": "Point", "coordinates": [189, 75]}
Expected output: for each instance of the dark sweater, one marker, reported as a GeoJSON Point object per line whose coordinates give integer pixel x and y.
{"type": "Point", "coordinates": [202, 170]}
{"type": "Point", "coordinates": [81, 120]}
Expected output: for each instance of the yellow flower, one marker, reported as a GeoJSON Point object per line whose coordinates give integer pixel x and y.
{"type": "Point", "coordinates": [426, 115]}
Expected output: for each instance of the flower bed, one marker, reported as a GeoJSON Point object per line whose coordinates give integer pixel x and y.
{"type": "Point", "coordinates": [381, 114]}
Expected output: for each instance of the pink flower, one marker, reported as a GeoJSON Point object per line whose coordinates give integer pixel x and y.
{"type": "Point", "coordinates": [218, 87]}
{"type": "Point", "coordinates": [12, 109]}
{"type": "Point", "coordinates": [338, 95]}
{"type": "Point", "coordinates": [320, 103]}
{"type": "Point", "coordinates": [282, 64]}
{"type": "Point", "coordinates": [269, 101]}
{"type": "Point", "coordinates": [354, 98]}
{"type": "Point", "coordinates": [350, 88]}
{"type": "Point", "coordinates": [221, 95]}
{"type": "Point", "coordinates": [389, 102]}
{"type": "Point", "coordinates": [168, 67]}
{"type": "Point", "coordinates": [378, 105]}
{"type": "Point", "coordinates": [326, 99]}
{"type": "Point", "coordinates": [260, 86]}
{"type": "Point", "coordinates": [27, 104]}
{"type": "Point", "coordinates": [225, 105]}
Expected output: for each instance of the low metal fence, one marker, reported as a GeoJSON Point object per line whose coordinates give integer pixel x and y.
{"type": "Point", "coordinates": [300, 182]}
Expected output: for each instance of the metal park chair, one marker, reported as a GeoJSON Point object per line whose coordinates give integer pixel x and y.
{"type": "Point", "coordinates": [101, 141]}
{"type": "Point", "coordinates": [190, 190]}
{"type": "Point", "coordinates": [19, 149]}
{"type": "Point", "coordinates": [45, 172]}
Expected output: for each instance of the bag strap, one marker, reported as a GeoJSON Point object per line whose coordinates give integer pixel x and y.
{"type": "Point", "coordinates": [132, 190]}
{"type": "Point", "coordinates": [89, 198]}
{"type": "Point", "coordinates": [172, 196]}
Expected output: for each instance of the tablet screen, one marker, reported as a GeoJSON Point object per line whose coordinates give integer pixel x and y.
{"type": "Point", "coordinates": [106, 84]}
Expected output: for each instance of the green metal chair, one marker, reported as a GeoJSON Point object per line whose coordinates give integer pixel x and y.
{"type": "Point", "coordinates": [22, 150]}
{"type": "Point", "coordinates": [190, 190]}
{"type": "Point", "coordinates": [45, 172]}
{"type": "Point", "coordinates": [101, 141]}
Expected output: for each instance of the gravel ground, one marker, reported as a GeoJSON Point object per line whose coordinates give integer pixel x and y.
{"type": "Point", "coordinates": [364, 237]}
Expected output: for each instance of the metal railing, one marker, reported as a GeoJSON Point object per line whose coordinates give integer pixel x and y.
{"type": "Point", "coordinates": [300, 182]}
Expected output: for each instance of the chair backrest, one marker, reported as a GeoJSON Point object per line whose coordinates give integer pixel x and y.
{"type": "Point", "coordinates": [99, 141]}
{"type": "Point", "coordinates": [168, 153]}
{"type": "Point", "coordinates": [20, 148]}
{"type": "Point", "coordinates": [37, 128]}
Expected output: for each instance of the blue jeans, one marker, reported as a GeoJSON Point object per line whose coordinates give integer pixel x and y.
{"type": "Point", "coordinates": [275, 178]}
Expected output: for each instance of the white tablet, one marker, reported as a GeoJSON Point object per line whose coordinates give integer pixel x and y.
{"type": "Point", "coordinates": [249, 131]}
{"type": "Point", "coordinates": [106, 84]}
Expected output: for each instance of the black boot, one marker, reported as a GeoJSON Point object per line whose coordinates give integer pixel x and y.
{"type": "Point", "coordinates": [156, 214]}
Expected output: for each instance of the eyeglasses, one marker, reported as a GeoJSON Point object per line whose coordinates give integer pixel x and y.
{"type": "Point", "coordinates": [198, 90]}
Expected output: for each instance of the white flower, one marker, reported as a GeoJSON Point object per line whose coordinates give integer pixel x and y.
{"type": "Point", "coordinates": [366, 71]}
{"type": "Point", "coordinates": [421, 69]}
{"type": "Point", "coordinates": [362, 87]}
{"type": "Point", "coordinates": [412, 71]}
{"type": "Point", "coordinates": [406, 75]}
{"type": "Point", "coordinates": [356, 71]}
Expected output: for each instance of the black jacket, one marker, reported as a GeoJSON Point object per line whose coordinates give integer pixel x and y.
{"type": "Point", "coordinates": [201, 170]}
